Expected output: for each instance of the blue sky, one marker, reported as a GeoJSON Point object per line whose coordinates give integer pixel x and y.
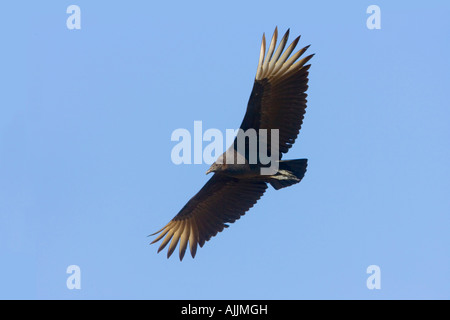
{"type": "Point", "coordinates": [86, 118]}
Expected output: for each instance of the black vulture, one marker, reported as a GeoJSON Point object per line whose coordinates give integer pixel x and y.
{"type": "Point", "coordinates": [277, 104]}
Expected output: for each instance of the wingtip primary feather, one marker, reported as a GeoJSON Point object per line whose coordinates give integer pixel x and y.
{"type": "Point", "coordinates": [272, 47]}
{"type": "Point", "coordinates": [193, 238]}
{"type": "Point", "coordinates": [261, 55]}
{"type": "Point", "coordinates": [184, 237]}
{"type": "Point", "coordinates": [176, 237]}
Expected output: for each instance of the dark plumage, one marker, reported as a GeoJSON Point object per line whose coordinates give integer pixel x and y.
{"type": "Point", "coordinates": [277, 101]}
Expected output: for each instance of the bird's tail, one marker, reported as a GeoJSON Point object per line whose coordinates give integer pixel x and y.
{"type": "Point", "coordinates": [289, 172]}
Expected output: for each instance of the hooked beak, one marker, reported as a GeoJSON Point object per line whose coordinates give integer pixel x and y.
{"type": "Point", "coordinates": [209, 171]}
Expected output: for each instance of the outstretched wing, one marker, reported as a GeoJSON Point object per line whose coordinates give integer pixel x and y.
{"type": "Point", "coordinates": [278, 99]}
{"type": "Point", "coordinates": [222, 200]}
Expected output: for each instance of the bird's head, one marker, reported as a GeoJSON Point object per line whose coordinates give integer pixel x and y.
{"type": "Point", "coordinates": [214, 168]}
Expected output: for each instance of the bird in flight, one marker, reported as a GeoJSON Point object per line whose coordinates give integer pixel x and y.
{"type": "Point", "coordinates": [277, 104]}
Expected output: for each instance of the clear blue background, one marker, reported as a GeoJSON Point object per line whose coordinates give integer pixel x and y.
{"type": "Point", "coordinates": [85, 170]}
